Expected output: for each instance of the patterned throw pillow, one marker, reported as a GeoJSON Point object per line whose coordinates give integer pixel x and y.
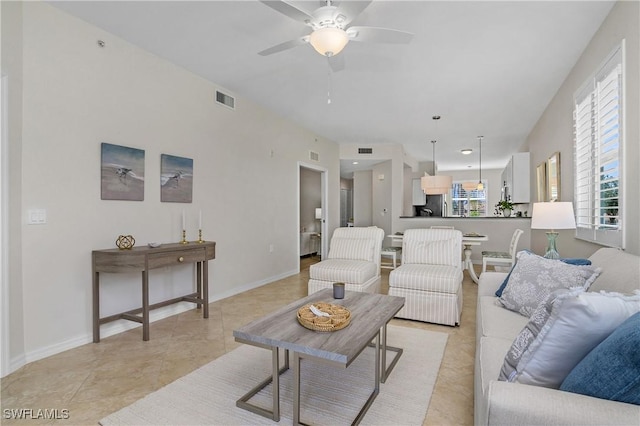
{"type": "Point", "coordinates": [533, 278]}
{"type": "Point", "coordinates": [561, 332]}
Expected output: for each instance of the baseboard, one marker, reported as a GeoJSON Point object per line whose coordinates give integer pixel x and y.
{"type": "Point", "coordinates": [121, 326]}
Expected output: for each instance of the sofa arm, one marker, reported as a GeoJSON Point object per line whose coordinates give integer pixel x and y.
{"type": "Point", "coordinates": [489, 283]}
{"type": "Point", "coordinates": [512, 403]}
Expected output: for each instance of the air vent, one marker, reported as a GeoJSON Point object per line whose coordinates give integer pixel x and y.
{"type": "Point", "coordinates": [314, 156]}
{"type": "Point", "coordinates": [365, 150]}
{"type": "Point", "coordinates": [226, 100]}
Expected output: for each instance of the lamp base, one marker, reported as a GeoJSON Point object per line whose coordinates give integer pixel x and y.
{"type": "Point", "coordinates": [552, 252]}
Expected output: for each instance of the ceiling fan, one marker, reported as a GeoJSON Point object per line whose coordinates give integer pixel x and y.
{"type": "Point", "coordinates": [331, 32]}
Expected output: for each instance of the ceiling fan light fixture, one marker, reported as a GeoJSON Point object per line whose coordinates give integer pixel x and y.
{"type": "Point", "coordinates": [328, 41]}
{"type": "Point", "coordinates": [466, 151]}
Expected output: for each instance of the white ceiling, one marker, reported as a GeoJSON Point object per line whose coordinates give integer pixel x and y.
{"type": "Point", "coordinates": [488, 68]}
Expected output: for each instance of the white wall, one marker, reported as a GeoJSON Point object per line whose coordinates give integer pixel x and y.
{"type": "Point", "coordinates": [383, 187]}
{"type": "Point", "coordinates": [362, 198]}
{"type": "Point", "coordinates": [554, 131]}
{"type": "Point", "coordinates": [77, 95]}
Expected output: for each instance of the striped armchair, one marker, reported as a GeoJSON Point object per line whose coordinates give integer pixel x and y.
{"type": "Point", "coordinates": [354, 259]}
{"type": "Point", "coordinates": [430, 278]}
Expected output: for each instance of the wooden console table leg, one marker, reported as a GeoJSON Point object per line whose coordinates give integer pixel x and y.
{"type": "Point", "coordinates": [205, 289]}
{"type": "Point", "coordinates": [145, 305]}
{"type": "Point", "coordinates": [96, 307]}
{"type": "Point", "coordinates": [199, 281]}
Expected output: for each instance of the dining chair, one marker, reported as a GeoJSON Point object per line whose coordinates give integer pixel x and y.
{"type": "Point", "coordinates": [502, 258]}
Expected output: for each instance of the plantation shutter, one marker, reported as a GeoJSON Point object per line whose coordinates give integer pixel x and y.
{"type": "Point", "coordinates": [598, 124]}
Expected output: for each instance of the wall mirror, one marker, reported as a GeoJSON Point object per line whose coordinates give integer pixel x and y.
{"type": "Point", "coordinates": [553, 177]}
{"type": "Point", "coordinates": [541, 181]}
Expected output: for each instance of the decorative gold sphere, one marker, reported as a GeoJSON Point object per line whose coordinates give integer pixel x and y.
{"type": "Point", "coordinates": [125, 242]}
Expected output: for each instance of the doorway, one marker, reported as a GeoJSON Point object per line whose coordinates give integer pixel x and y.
{"type": "Point", "coordinates": [312, 211]}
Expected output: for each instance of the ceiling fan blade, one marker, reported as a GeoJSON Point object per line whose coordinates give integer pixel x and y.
{"type": "Point", "coordinates": [336, 62]}
{"type": "Point", "coordinates": [285, 46]}
{"type": "Point", "coordinates": [379, 35]}
{"type": "Point", "coordinates": [351, 9]}
{"type": "Point", "coordinates": [288, 10]}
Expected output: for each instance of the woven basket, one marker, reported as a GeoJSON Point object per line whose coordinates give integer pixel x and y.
{"type": "Point", "coordinates": [339, 317]}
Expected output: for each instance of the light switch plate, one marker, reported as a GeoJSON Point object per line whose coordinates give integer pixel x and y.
{"type": "Point", "coordinates": [36, 216]}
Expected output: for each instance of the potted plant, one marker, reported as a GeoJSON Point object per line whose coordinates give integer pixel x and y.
{"type": "Point", "coordinates": [505, 206]}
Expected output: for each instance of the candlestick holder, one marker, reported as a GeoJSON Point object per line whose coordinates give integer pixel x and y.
{"type": "Point", "coordinates": [200, 240]}
{"type": "Point", "coordinates": [184, 237]}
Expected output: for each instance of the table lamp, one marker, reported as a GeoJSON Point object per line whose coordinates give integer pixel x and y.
{"type": "Point", "coordinates": [553, 215]}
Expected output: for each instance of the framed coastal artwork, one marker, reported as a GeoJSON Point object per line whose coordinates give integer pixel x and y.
{"type": "Point", "coordinates": [176, 179]}
{"type": "Point", "coordinates": [121, 173]}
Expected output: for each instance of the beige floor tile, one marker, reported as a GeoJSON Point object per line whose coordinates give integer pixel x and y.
{"type": "Point", "coordinates": [95, 380]}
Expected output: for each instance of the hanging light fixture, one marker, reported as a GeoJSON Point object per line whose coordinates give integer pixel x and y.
{"type": "Point", "coordinates": [480, 186]}
{"type": "Point", "coordinates": [329, 41]}
{"type": "Point", "coordinates": [434, 185]}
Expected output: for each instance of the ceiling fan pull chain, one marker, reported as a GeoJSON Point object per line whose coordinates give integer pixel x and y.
{"type": "Point", "coordinates": [329, 86]}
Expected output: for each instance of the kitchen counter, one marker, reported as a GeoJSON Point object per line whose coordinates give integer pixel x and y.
{"type": "Point", "coordinates": [466, 218]}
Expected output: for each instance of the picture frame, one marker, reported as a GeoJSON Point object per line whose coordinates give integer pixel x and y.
{"type": "Point", "coordinates": [121, 173]}
{"type": "Point", "coordinates": [553, 177]}
{"type": "Point", "coordinates": [541, 181]}
{"type": "Point", "coordinates": [176, 179]}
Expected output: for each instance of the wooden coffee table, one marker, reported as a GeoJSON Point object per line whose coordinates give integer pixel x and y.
{"type": "Point", "coordinates": [370, 314]}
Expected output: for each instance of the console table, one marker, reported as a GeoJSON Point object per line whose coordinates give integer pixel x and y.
{"type": "Point", "coordinates": [142, 259]}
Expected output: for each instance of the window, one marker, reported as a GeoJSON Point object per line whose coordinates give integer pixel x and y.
{"type": "Point", "coordinates": [468, 202]}
{"type": "Point", "coordinates": [598, 118]}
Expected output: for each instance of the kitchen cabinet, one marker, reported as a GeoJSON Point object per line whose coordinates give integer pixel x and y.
{"type": "Point", "coordinates": [516, 180]}
{"type": "Point", "coordinates": [418, 196]}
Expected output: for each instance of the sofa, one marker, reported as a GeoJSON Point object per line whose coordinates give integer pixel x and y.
{"type": "Point", "coordinates": [505, 402]}
{"type": "Point", "coordinates": [353, 258]}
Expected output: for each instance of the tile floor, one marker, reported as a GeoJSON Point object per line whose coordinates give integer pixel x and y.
{"type": "Point", "coordinates": [95, 380]}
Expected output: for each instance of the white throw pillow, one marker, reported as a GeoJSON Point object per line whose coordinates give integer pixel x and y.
{"type": "Point", "coordinates": [533, 278]}
{"type": "Point", "coordinates": [561, 332]}
{"type": "Point", "coordinates": [351, 249]}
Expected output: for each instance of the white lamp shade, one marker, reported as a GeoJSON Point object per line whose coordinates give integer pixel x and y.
{"type": "Point", "coordinates": [553, 215]}
{"type": "Point", "coordinates": [434, 185]}
{"type": "Point", "coordinates": [318, 213]}
{"type": "Point", "coordinates": [329, 41]}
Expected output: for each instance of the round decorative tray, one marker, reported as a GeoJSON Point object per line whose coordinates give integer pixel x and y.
{"type": "Point", "coordinates": [339, 317]}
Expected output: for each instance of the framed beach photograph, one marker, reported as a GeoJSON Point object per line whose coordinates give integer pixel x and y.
{"type": "Point", "coordinates": [122, 173]}
{"type": "Point", "coordinates": [176, 179]}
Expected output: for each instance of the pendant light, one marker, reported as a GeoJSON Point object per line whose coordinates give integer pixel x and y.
{"type": "Point", "coordinates": [480, 186]}
{"type": "Point", "coordinates": [435, 185]}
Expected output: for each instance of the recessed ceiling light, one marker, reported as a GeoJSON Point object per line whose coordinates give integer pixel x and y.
{"type": "Point", "coordinates": [466, 151]}
{"type": "Point", "coordinates": [355, 162]}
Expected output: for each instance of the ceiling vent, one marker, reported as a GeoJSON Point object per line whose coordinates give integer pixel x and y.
{"type": "Point", "coordinates": [365, 150]}
{"type": "Point", "coordinates": [314, 156]}
{"type": "Point", "coordinates": [226, 100]}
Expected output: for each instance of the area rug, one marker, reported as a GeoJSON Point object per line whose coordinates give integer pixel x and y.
{"type": "Point", "coordinates": [329, 395]}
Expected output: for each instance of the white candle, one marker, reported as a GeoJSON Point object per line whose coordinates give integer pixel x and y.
{"type": "Point", "coordinates": [183, 220]}
{"type": "Point", "coordinates": [200, 220]}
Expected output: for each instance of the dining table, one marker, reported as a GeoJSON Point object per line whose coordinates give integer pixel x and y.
{"type": "Point", "coordinates": [469, 240]}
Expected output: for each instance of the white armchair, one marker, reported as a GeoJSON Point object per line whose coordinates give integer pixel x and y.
{"type": "Point", "coordinates": [354, 259]}
{"type": "Point", "coordinates": [430, 278]}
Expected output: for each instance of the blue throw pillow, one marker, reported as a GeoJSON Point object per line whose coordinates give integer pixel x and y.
{"type": "Point", "coordinates": [612, 369]}
{"type": "Point", "coordinates": [569, 260]}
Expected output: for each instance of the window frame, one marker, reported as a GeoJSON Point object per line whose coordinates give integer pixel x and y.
{"type": "Point", "coordinates": [591, 161]}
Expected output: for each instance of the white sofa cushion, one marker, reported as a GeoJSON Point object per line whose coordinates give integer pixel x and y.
{"type": "Point", "coordinates": [561, 332]}
{"type": "Point", "coordinates": [352, 248]}
{"type": "Point", "coordinates": [346, 271]}
{"type": "Point", "coordinates": [496, 321]}
{"type": "Point", "coordinates": [435, 278]}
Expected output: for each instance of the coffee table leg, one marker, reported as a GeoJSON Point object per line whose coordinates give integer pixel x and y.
{"type": "Point", "coordinates": [386, 371]}
{"type": "Point", "coordinates": [296, 388]}
{"type": "Point", "coordinates": [275, 380]}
